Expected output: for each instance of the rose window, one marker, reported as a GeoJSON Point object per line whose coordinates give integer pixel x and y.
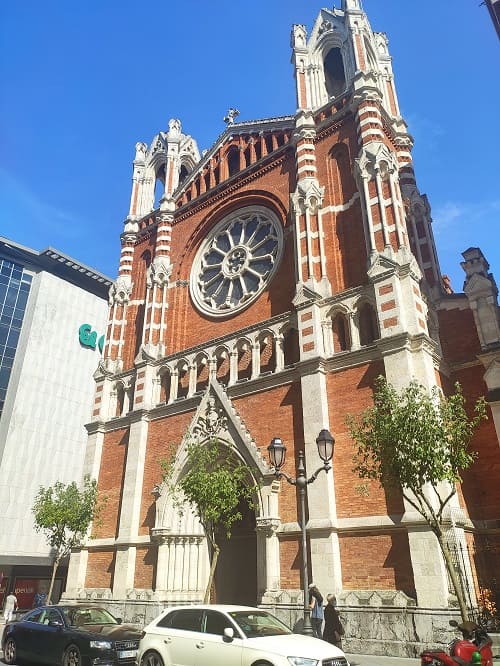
{"type": "Point", "coordinates": [236, 261]}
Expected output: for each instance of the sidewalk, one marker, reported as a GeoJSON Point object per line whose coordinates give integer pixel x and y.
{"type": "Point", "coordinates": [374, 660]}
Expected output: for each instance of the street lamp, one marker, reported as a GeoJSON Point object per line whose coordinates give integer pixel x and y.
{"type": "Point", "coordinates": [277, 453]}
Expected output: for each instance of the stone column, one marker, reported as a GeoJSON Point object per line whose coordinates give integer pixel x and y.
{"type": "Point", "coordinates": [131, 506]}
{"type": "Point", "coordinates": [255, 359]}
{"type": "Point", "coordinates": [160, 535]}
{"type": "Point", "coordinates": [233, 367]}
{"type": "Point", "coordinates": [429, 569]}
{"type": "Point", "coordinates": [174, 385]}
{"type": "Point", "coordinates": [324, 545]}
{"type": "Point", "coordinates": [280, 356]}
{"type": "Point", "coordinates": [124, 571]}
{"type": "Point", "coordinates": [268, 548]}
{"type": "Point", "coordinates": [77, 572]}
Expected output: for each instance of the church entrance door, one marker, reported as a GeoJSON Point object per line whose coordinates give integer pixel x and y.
{"type": "Point", "coordinates": [236, 573]}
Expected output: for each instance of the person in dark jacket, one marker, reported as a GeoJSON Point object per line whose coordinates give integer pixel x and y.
{"type": "Point", "coordinates": [316, 606]}
{"type": "Point", "coordinates": [333, 626]}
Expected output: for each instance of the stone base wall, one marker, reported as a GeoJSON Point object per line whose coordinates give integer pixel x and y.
{"type": "Point", "coordinates": [378, 622]}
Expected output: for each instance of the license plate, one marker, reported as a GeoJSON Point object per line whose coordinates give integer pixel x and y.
{"type": "Point", "coordinates": [127, 654]}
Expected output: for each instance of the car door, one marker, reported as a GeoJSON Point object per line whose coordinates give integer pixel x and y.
{"type": "Point", "coordinates": [180, 631]}
{"type": "Point", "coordinates": [26, 634]}
{"type": "Point", "coordinates": [50, 637]}
{"type": "Point", "coordinates": [212, 647]}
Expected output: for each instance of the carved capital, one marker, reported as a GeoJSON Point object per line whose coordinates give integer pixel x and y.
{"type": "Point", "coordinates": [268, 526]}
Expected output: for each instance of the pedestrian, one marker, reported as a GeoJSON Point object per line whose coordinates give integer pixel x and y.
{"type": "Point", "coordinates": [333, 626]}
{"type": "Point", "coordinates": [316, 606]}
{"type": "Point", "coordinates": [40, 599]}
{"type": "Point", "coordinates": [10, 607]}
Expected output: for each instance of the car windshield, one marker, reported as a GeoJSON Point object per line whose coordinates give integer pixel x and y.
{"type": "Point", "coordinates": [77, 617]}
{"type": "Point", "coordinates": [255, 624]}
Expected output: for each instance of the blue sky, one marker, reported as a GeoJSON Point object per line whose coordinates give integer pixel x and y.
{"type": "Point", "coordinates": [83, 82]}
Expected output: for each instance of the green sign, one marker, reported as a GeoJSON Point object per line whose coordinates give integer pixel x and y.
{"type": "Point", "coordinates": [88, 337]}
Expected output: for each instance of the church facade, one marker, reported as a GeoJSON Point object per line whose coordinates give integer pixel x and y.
{"type": "Point", "coordinates": [282, 272]}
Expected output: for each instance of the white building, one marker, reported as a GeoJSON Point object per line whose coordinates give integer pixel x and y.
{"type": "Point", "coordinates": [47, 359]}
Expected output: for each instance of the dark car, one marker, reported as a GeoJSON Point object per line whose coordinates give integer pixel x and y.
{"type": "Point", "coordinates": [77, 635]}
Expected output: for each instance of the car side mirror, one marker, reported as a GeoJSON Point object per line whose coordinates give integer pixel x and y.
{"type": "Point", "coordinates": [119, 620]}
{"type": "Point", "coordinates": [229, 633]}
{"type": "Point", "coordinates": [55, 623]}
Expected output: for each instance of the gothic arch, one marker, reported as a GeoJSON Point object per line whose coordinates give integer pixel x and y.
{"type": "Point", "coordinates": [159, 188]}
{"type": "Point", "coordinates": [142, 275]}
{"type": "Point", "coordinates": [291, 345]}
{"type": "Point", "coordinates": [233, 160]}
{"type": "Point", "coordinates": [367, 323]}
{"type": "Point", "coordinates": [334, 71]}
{"type": "Point", "coordinates": [342, 339]}
{"type": "Point", "coordinates": [120, 393]}
{"type": "Point", "coordinates": [222, 364]}
{"type": "Point", "coordinates": [215, 418]}
{"type": "Point", "coordinates": [202, 364]}
{"type": "Point", "coordinates": [165, 381]}
{"type": "Point", "coordinates": [267, 350]}
{"type": "Point", "coordinates": [183, 372]}
{"type": "Point", "coordinates": [244, 358]}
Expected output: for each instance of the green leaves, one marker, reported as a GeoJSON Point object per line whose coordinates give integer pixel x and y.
{"type": "Point", "coordinates": [64, 513]}
{"type": "Point", "coordinates": [214, 482]}
{"type": "Point", "coordinates": [413, 438]}
{"type": "Point", "coordinates": [418, 442]}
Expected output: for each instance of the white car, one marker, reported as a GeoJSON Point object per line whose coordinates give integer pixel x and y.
{"type": "Point", "coordinates": [218, 635]}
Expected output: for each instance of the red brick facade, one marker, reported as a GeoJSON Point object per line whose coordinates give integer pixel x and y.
{"type": "Point", "coordinates": [354, 293]}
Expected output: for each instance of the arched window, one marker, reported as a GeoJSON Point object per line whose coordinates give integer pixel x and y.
{"type": "Point", "coordinates": [267, 353]}
{"type": "Point", "coordinates": [165, 382]}
{"type": "Point", "coordinates": [183, 385]}
{"type": "Point", "coordinates": [183, 173]}
{"type": "Point", "coordinates": [140, 282]}
{"type": "Point", "coordinates": [291, 349]}
{"type": "Point", "coordinates": [244, 360]}
{"type": "Point", "coordinates": [159, 186]}
{"type": "Point", "coordinates": [368, 326]}
{"type": "Point", "coordinates": [334, 72]}
{"type": "Point", "coordinates": [233, 160]}
{"type": "Point", "coordinates": [120, 399]}
{"type": "Point", "coordinates": [206, 178]}
{"type": "Point", "coordinates": [222, 367]}
{"type": "Point", "coordinates": [341, 337]}
{"type": "Point", "coordinates": [202, 370]}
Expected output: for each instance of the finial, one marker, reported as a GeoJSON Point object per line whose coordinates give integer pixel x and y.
{"type": "Point", "coordinates": [231, 115]}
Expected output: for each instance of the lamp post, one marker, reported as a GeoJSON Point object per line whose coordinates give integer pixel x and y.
{"type": "Point", "coordinates": [277, 453]}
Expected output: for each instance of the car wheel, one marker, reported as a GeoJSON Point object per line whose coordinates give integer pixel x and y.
{"type": "Point", "coordinates": [10, 651]}
{"type": "Point", "coordinates": [152, 659]}
{"type": "Point", "coordinates": [72, 657]}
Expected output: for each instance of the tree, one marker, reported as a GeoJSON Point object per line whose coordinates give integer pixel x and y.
{"type": "Point", "coordinates": [64, 513]}
{"type": "Point", "coordinates": [213, 484]}
{"type": "Point", "coordinates": [418, 443]}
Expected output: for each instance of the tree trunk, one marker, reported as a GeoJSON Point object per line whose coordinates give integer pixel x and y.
{"type": "Point", "coordinates": [213, 564]}
{"type": "Point", "coordinates": [57, 559]}
{"type": "Point", "coordinates": [453, 575]}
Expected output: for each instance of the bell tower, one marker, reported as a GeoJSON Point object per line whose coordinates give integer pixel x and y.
{"type": "Point", "coordinates": [341, 47]}
{"type": "Point", "coordinates": [348, 122]}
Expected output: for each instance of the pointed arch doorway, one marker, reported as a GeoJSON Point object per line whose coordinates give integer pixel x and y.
{"type": "Point", "coordinates": [236, 573]}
